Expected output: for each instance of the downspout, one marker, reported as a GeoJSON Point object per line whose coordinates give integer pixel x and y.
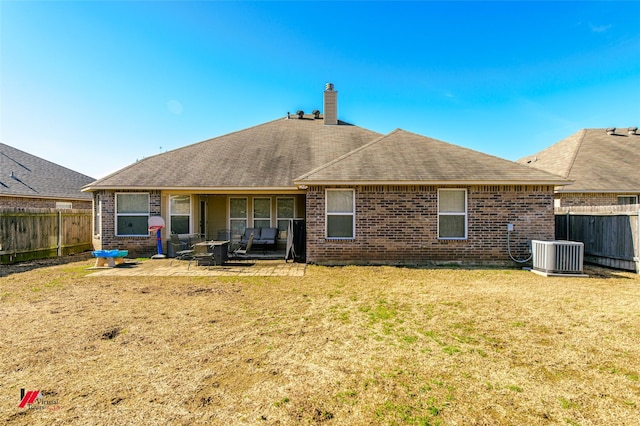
{"type": "Point", "coordinates": [637, 253]}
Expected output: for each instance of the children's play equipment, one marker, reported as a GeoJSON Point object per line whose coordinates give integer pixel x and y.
{"type": "Point", "coordinates": [156, 223]}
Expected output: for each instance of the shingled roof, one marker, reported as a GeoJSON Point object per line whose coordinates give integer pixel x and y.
{"type": "Point", "coordinates": [25, 175]}
{"type": "Point", "coordinates": [264, 157]}
{"type": "Point", "coordinates": [402, 157]}
{"type": "Point", "coordinates": [594, 160]}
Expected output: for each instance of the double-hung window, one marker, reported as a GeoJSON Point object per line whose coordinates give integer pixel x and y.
{"type": "Point", "coordinates": [237, 217]}
{"type": "Point", "coordinates": [132, 214]}
{"type": "Point", "coordinates": [97, 214]}
{"type": "Point", "coordinates": [262, 212]}
{"type": "Point", "coordinates": [180, 214]}
{"type": "Point", "coordinates": [341, 213]}
{"type": "Point", "coordinates": [452, 214]}
{"type": "Point", "coordinates": [284, 213]}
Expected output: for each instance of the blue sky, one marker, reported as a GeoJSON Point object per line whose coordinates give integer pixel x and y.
{"type": "Point", "coordinates": [95, 86]}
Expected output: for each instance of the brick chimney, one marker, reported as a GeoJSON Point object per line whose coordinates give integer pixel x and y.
{"type": "Point", "coordinates": [330, 105]}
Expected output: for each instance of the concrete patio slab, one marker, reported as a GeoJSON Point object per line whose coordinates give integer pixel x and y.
{"type": "Point", "coordinates": [167, 268]}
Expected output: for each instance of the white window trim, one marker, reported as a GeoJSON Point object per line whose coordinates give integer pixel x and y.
{"type": "Point", "coordinates": [285, 218]}
{"type": "Point", "coordinates": [327, 214]}
{"type": "Point", "coordinates": [97, 214]}
{"type": "Point", "coordinates": [230, 218]}
{"type": "Point", "coordinates": [466, 214]}
{"type": "Point", "coordinates": [130, 214]}
{"type": "Point", "coordinates": [253, 211]}
{"type": "Point", "coordinates": [190, 231]}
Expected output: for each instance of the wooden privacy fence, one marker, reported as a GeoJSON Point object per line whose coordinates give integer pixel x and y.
{"type": "Point", "coordinates": [611, 234]}
{"type": "Point", "coordinates": [27, 234]}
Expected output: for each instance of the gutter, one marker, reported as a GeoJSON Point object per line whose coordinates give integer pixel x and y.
{"type": "Point", "coordinates": [443, 182]}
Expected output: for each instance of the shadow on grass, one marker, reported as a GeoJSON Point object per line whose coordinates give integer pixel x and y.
{"type": "Point", "coordinates": [6, 270]}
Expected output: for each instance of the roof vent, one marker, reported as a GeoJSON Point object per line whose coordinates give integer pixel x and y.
{"type": "Point", "coordinates": [633, 130]}
{"type": "Point", "coordinates": [611, 131]}
{"type": "Point", "coordinates": [328, 87]}
{"type": "Point", "coordinates": [300, 113]}
{"type": "Point", "coordinates": [316, 113]}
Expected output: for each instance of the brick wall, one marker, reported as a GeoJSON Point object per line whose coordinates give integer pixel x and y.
{"type": "Point", "coordinates": [40, 203]}
{"type": "Point", "coordinates": [584, 199]}
{"type": "Point", "coordinates": [144, 246]}
{"type": "Point", "coordinates": [398, 224]}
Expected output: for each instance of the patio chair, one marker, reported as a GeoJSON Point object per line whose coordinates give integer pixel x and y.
{"type": "Point", "coordinates": [179, 250]}
{"type": "Point", "coordinates": [201, 254]}
{"type": "Point", "coordinates": [242, 253]}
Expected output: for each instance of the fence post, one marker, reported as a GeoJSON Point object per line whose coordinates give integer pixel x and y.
{"type": "Point", "coordinates": [59, 233]}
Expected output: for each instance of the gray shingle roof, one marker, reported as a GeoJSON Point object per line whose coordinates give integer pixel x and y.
{"type": "Point", "coordinates": [269, 155]}
{"type": "Point", "coordinates": [25, 175]}
{"type": "Point", "coordinates": [594, 160]}
{"type": "Point", "coordinates": [404, 157]}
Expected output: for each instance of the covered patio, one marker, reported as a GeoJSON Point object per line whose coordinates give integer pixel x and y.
{"type": "Point", "coordinates": [175, 268]}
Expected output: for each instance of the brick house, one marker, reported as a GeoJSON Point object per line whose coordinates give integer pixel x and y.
{"type": "Point", "coordinates": [601, 163]}
{"type": "Point", "coordinates": [365, 197]}
{"type": "Point", "coordinates": [28, 181]}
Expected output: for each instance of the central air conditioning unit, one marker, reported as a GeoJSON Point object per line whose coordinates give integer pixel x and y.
{"type": "Point", "coordinates": [557, 257]}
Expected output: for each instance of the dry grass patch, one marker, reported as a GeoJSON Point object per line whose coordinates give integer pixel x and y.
{"type": "Point", "coordinates": [348, 345]}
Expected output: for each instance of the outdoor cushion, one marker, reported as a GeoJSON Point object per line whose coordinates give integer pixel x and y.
{"type": "Point", "coordinates": [260, 235]}
{"type": "Point", "coordinates": [268, 234]}
{"type": "Point", "coordinates": [247, 234]}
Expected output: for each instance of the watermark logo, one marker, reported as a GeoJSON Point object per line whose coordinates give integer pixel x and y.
{"type": "Point", "coordinates": [35, 400]}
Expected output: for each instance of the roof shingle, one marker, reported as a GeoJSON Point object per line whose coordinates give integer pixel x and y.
{"type": "Point", "coordinates": [594, 160]}
{"type": "Point", "coordinates": [25, 175]}
{"type": "Point", "coordinates": [269, 155]}
{"type": "Point", "coordinates": [405, 157]}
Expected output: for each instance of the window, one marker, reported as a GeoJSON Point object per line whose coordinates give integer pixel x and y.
{"type": "Point", "coordinates": [284, 213]}
{"type": "Point", "coordinates": [340, 213]}
{"type": "Point", "coordinates": [97, 211]}
{"type": "Point", "coordinates": [627, 199]}
{"type": "Point", "coordinates": [61, 205]}
{"type": "Point", "coordinates": [180, 214]}
{"type": "Point", "coordinates": [262, 212]}
{"type": "Point", "coordinates": [237, 217]}
{"type": "Point", "coordinates": [132, 214]}
{"type": "Point", "coordinates": [452, 214]}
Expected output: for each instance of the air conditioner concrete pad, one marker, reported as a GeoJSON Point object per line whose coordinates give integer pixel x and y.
{"type": "Point", "coordinates": [555, 274]}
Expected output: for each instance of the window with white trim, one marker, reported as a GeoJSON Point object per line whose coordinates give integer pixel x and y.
{"type": "Point", "coordinates": [97, 214]}
{"type": "Point", "coordinates": [180, 214]}
{"type": "Point", "coordinates": [132, 214]}
{"type": "Point", "coordinates": [627, 199]}
{"type": "Point", "coordinates": [285, 208]}
{"type": "Point", "coordinates": [262, 212]}
{"type": "Point", "coordinates": [452, 214]}
{"type": "Point", "coordinates": [340, 213]}
{"type": "Point", "coordinates": [61, 205]}
{"type": "Point", "coordinates": [237, 217]}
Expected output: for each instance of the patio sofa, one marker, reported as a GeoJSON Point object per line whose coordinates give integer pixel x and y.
{"type": "Point", "coordinates": [265, 237]}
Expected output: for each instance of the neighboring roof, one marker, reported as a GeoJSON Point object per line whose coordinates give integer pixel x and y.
{"type": "Point", "coordinates": [267, 156]}
{"type": "Point", "coordinates": [402, 157]}
{"type": "Point", "coordinates": [25, 175]}
{"type": "Point", "coordinates": [595, 160]}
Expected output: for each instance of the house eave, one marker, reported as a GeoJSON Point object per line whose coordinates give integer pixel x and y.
{"type": "Point", "coordinates": [200, 189]}
{"type": "Point", "coordinates": [597, 191]}
{"type": "Point", "coordinates": [47, 197]}
{"type": "Point", "coordinates": [302, 183]}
